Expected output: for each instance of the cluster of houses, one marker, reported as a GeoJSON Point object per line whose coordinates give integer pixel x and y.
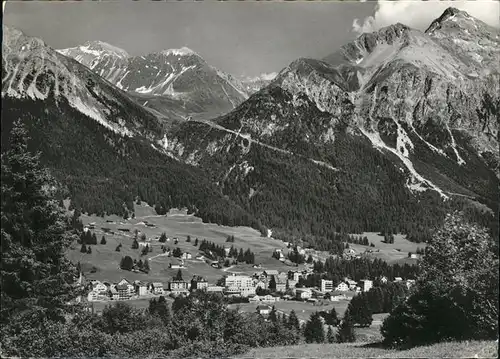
{"type": "Point", "coordinates": [122, 290]}
{"type": "Point", "coordinates": [282, 285]}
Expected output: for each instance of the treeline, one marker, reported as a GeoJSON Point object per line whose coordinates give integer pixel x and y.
{"type": "Point", "coordinates": [217, 251]}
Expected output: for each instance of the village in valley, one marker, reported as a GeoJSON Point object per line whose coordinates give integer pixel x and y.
{"type": "Point", "coordinates": [224, 263]}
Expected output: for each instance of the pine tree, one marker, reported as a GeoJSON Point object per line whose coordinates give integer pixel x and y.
{"type": "Point", "coordinates": [89, 250]}
{"type": "Point", "coordinates": [273, 317]}
{"type": "Point", "coordinates": [127, 263]}
{"type": "Point", "coordinates": [241, 256]}
{"type": "Point", "coordinates": [94, 238]}
{"type": "Point", "coordinates": [135, 244]}
{"type": "Point", "coordinates": [36, 276]}
{"type": "Point", "coordinates": [272, 283]}
{"type": "Point", "coordinates": [313, 331]}
{"type": "Point", "coordinates": [160, 308]}
{"type": "Point", "coordinates": [178, 276]}
{"type": "Point", "coordinates": [360, 311]}
{"type": "Point", "coordinates": [332, 317]}
{"type": "Point", "coordinates": [146, 267]}
{"type": "Point", "coordinates": [330, 337]}
{"type": "Point", "coordinates": [177, 252]}
{"type": "Point", "coordinates": [118, 247]}
{"type": "Point", "coordinates": [345, 333]}
{"type": "Point", "coordinates": [163, 238]}
{"type": "Point", "coordinates": [196, 242]}
{"type": "Point", "coordinates": [188, 239]}
{"type": "Point", "coordinates": [83, 249]}
{"type": "Point", "coordinates": [293, 321]}
{"type": "Point", "coordinates": [103, 240]}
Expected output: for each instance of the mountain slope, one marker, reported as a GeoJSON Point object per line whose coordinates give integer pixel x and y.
{"type": "Point", "coordinates": [391, 131]}
{"type": "Point", "coordinates": [179, 76]}
{"type": "Point", "coordinates": [101, 146]}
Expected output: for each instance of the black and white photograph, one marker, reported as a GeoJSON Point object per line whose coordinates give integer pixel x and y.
{"type": "Point", "coordinates": [250, 179]}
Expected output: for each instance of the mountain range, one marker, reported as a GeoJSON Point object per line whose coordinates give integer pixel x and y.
{"type": "Point", "coordinates": [388, 133]}
{"type": "Point", "coordinates": [176, 83]}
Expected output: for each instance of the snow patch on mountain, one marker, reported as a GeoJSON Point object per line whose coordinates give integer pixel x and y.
{"type": "Point", "coordinates": [77, 103]}
{"type": "Point", "coordinates": [183, 51]}
{"type": "Point", "coordinates": [460, 160]}
{"type": "Point", "coordinates": [403, 142]}
{"type": "Point", "coordinates": [374, 137]}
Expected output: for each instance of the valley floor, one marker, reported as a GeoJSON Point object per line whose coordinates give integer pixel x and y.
{"type": "Point", "coordinates": [472, 349]}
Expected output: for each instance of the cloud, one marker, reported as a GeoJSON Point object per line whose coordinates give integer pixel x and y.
{"type": "Point", "coordinates": [419, 14]}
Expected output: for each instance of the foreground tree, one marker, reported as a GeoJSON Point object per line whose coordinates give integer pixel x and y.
{"type": "Point", "coordinates": [314, 332]}
{"type": "Point", "coordinates": [345, 332]}
{"type": "Point", "coordinates": [36, 279]}
{"type": "Point", "coordinates": [360, 311]}
{"type": "Point", "coordinates": [293, 321]}
{"type": "Point", "coordinates": [456, 295]}
{"type": "Point", "coordinates": [330, 337]}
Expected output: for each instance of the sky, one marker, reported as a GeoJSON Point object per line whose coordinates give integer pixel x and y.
{"type": "Point", "coordinates": [242, 38]}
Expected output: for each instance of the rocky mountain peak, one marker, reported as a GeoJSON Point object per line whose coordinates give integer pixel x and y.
{"type": "Point", "coordinates": [450, 14]}
{"type": "Point", "coordinates": [102, 47]}
{"type": "Point", "coordinates": [14, 41]}
{"type": "Point", "coordinates": [183, 51]}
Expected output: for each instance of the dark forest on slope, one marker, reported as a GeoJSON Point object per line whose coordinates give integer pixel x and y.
{"type": "Point", "coordinates": [104, 172]}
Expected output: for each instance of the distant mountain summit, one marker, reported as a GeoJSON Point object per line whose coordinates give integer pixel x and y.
{"type": "Point", "coordinates": [254, 84]}
{"type": "Point", "coordinates": [175, 82]}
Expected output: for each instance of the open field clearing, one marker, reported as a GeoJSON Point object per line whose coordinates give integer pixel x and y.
{"type": "Point", "coordinates": [472, 349]}
{"type": "Point", "coordinates": [178, 224]}
{"type": "Point", "coordinates": [396, 252]}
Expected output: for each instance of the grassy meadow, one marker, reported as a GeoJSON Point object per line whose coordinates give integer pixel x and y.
{"type": "Point", "coordinates": [175, 224]}
{"type": "Point", "coordinates": [391, 253]}
{"type": "Point", "coordinates": [468, 349]}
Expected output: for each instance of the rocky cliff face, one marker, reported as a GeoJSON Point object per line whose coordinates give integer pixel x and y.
{"type": "Point", "coordinates": [174, 78]}
{"type": "Point", "coordinates": [32, 71]}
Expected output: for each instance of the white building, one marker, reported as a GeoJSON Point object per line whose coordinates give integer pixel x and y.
{"type": "Point", "coordinates": [269, 298]}
{"type": "Point", "coordinates": [130, 287]}
{"type": "Point", "coordinates": [291, 283]}
{"type": "Point", "coordinates": [365, 285]}
{"type": "Point", "coordinates": [214, 289]}
{"type": "Point", "coordinates": [295, 275]}
{"type": "Point", "coordinates": [351, 283]}
{"type": "Point", "coordinates": [98, 286]}
{"type": "Point", "coordinates": [303, 293]}
{"type": "Point", "coordinates": [326, 285]}
{"type": "Point", "coordinates": [239, 283]}
{"type": "Point", "coordinates": [410, 283]}
{"type": "Point", "coordinates": [342, 287]}
{"type": "Point", "coordinates": [157, 288]}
